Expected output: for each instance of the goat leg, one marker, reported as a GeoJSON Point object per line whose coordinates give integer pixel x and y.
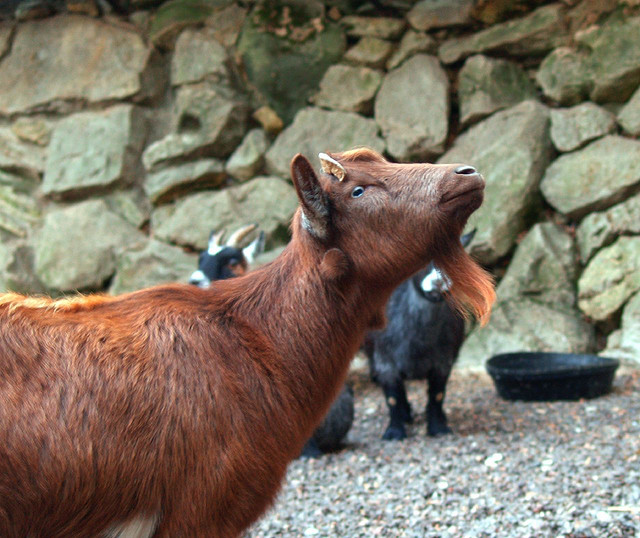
{"type": "Point", "coordinates": [399, 410]}
{"type": "Point", "coordinates": [311, 449]}
{"type": "Point", "coordinates": [436, 419]}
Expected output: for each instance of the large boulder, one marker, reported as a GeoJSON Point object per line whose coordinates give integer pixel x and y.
{"type": "Point", "coordinates": [380, 27]}
{"type": "Point", "coordinates": [150, 263]}
{"type": "Point", "coordinates": [348, 88]}
{"type": "Point", "coordinates": [572, 128]}
{"type": "Point", "coordinates": [605, 170]}
{"type": "Point", "coordinates": [370, 51]}
{"type": "Point", "coordinates": [412, 109]}
{"type": "Point", "coordinates": [227, 23]}
{"type": "Point", "coordinates": [285, 50]}
{"type": "Point", "coordinates": [429, 14]}
{"type": "Point", "coordinates": [601, 228]}
{"type": "Point", "coordinates": [210, 121]}
{"type": "Point", "coordinates": [629, 115]}
{"type": "Point", "coordinates": [74, 58]}
{"type": "Point", "coordinates": [524, 324]}
{"type": "Point", "coordinates": [625, 343]}
{"type": "Point", "coordinates": [16, 269]}
{"type": "Point", "coordinates": [132, 205]}
{"type": "Point", "coordinates": [610, 279]}
{"type": "Point", "coordinates": [536, 302]}
{"type": "Point", "coordinates": [565, 75]}
{"type": "Point", "coordinates": [169, 183]}
{"type": "Point", "coordinates": [411, 44]}
{"type": "Point", "coordinates": [213, 112]}
{"type": "Point", "coordinates": [315, 130]}
{"type": "Point", "coordinates": [511, 149]}
{"type": "Point", "coordinates": [543, 268]}
{"type": "Point", "coordinates": [268, 201]}
{"type": "Point", "coordinates": [614, 58]}
{"type": "Point", "coordinates": [174, 15]}
{"type": "Point", "coordinates": [248, 158]}
{"type": "Point", "coordinates": [486, 85]}
{"type": "Point", "coordinates": [94, 151]}
{"type": "Point", "coordinates": [534, 34]}
{"type": "Point", "coordinates": [198, 56]}
{"type": "Point", "coordinates": [77, 246]}
{"type": "Point", "coordinates": [174, 148]}
{"type": "Point", "coordinates": [606, 66]}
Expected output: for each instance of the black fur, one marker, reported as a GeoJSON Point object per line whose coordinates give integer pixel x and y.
{"type": "Point", "coordinates": [329, 436]}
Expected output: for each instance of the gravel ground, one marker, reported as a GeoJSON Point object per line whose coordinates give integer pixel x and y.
{"type": "Point", "coordinates": [510, 469]}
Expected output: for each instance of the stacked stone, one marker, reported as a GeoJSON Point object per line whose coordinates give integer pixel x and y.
{"type": "Point", "coordinates": [126, 138]}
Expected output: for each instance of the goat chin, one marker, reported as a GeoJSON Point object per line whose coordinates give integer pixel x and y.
{"type": "Point", "coordinates": [472, 291]}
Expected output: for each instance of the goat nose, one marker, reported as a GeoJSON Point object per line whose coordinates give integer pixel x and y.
{"type": "Point", "coordinates": [466, 170]}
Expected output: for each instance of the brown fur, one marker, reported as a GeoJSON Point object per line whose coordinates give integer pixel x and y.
{"type": "Point", "coordinates": [187, 404]}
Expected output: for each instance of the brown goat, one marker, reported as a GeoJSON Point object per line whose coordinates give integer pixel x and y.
{"type": "Point", "coordinates": [174, 411]}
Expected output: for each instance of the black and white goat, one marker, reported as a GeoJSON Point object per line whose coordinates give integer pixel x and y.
{"type": "Point", "coordinates": [226, 260]}
{"type": "Point", "coordinates": [222, 260]}
{"type": "Point", "coordinates": [421, 341]}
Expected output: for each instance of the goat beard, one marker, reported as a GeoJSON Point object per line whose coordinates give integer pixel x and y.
{"type": "Point", "coordinates": [472, 288]}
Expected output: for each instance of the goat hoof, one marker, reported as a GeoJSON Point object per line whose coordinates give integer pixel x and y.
{"type": "Point", "coordinates": [438, 430]}
{"type": "Point", "coordinates": [394, 434]}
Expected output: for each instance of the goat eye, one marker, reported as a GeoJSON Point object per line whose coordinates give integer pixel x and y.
{"type": "Point", "coordinates": [357, 192]}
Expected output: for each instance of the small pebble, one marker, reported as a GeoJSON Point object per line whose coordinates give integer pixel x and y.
{"type": "Point", "coordinates": [493, 460]}
{"type": "Point", "coordinates": [510, 469]}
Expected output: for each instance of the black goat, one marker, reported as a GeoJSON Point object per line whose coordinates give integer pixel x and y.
{"type": "Point", "coordinates": [222, 261]}
{"type": "Point", "coordinates": [421, 341]}
{"type": "Point", "coordinates": [329, 436]}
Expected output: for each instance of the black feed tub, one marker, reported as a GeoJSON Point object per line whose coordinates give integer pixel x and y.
{"type": "Point", "coordinates": [535, 376]}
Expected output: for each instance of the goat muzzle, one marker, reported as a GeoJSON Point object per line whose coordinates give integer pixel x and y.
{"type": "Point", "coordinates": [466, 186]}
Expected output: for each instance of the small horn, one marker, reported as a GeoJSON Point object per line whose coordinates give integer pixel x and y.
{"type": "Point", "coordinates": [331, 166]}
{"type": "Point", "coordinates": [237, 236]}
{"type": "Point", "coordinates": [215, 241]}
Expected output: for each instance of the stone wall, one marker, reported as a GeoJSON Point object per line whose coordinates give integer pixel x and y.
{"type": "Point", "coordinates": [126, 137]}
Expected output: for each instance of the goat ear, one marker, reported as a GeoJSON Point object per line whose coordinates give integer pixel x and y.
{"type": "Point", "coordinates": [335, 264]}
{"type": "Point", "coordinates": [314, 201]}
{"type": "Point", "coordinates": [467, 238]}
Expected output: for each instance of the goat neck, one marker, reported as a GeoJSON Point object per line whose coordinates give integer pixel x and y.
{"type": "Point", "coordinates": [354, 240]}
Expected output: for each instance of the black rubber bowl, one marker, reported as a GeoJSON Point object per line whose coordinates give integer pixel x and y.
{"type": "Point", "coordinates": [534, 376]}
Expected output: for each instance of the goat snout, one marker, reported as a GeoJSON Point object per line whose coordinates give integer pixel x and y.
{"type": "Point", "coordinates": [464, 187]}
{"type": "Point", "coordinates": [465, 170]}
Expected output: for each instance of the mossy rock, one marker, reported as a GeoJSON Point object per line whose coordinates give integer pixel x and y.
{"type": "Point", "coordinates": [286, 56]}
{"type": "Point", "coordinates": [172, 17]}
